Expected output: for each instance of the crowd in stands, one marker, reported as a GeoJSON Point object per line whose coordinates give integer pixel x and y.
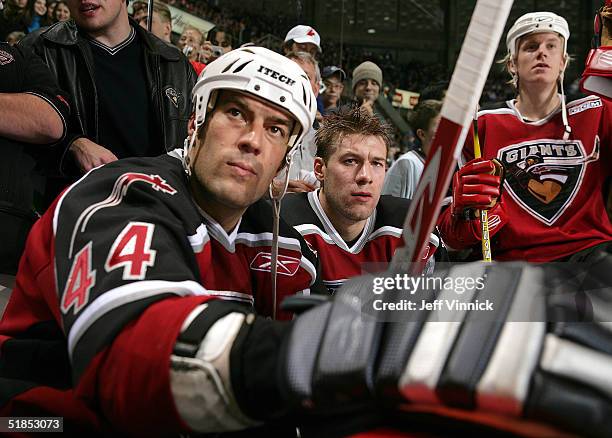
{"type": "Point", "coordinates": [21, 17]}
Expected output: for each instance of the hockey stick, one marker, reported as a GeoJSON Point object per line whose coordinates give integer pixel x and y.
{"type": "Point", "coordinates": [484, 214]}
{"type": "Point", "coordinates": [467, 82]}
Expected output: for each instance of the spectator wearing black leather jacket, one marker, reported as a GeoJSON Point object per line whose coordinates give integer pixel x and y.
{"type": "Point", "coordinates": [131, 91]}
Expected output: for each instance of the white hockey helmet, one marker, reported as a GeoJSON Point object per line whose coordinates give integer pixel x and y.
{"type": "Point", "coordinates": [537, 22]}
{"type": "Point", "coordinates": [264, 74]}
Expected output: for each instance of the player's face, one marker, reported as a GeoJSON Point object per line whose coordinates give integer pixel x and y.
{"type": "Point", "coordinates": [352, 178]}
{"type": "Point", "coordinates": [97, 15]}
{"type": "Point", "coordinates": [539, 59]}
{"type": "Point", "coordinates": [242, 147]}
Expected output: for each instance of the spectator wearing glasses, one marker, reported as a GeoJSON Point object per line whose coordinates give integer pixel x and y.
{"type": "Point", "coordinates": [331, 97]}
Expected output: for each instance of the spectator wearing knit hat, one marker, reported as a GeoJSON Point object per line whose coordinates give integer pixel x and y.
{"type": "Point", "coordinates": [367, 83]}
{"type": "Point", "coordinates": [302, 39]}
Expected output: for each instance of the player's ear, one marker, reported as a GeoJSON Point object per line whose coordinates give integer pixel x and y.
{"type": "Point", "coordinates": [564, 62]}
{"type": "Point", "coordinates": [420, 134]}
{"type": "Point", "coordinates": [191, 125]}
{"type": "Point", "coordinates": [511, 66]}
{"type": "Point", "coordinates": [319, 168]}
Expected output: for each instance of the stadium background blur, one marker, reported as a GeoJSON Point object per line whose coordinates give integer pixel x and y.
{"type": "Point", "coordinates": [415, 42]}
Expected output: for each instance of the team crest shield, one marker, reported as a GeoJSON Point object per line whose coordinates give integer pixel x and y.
{"type": "Point", "coordinates": [544, 175]}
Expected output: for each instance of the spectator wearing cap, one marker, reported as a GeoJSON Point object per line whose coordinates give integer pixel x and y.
{"type": "Point", "coordinates": [161, 26]}
{"type": "Point", "coordinates": [333, 79]}
{"type": "Point", "coordinates": [302, 39]}
{"type": "Point", "coordinates": [367, 83]}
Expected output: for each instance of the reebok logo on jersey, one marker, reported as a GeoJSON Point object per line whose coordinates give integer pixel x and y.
{"type": "Point", "coordinates": [275, 75]}
{"type": "Point", "coordinates": [543, 176]}
{"type": "Point", "coordinates": [285, 265]}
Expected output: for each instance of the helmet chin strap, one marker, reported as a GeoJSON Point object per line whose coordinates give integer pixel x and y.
{"type": "Point", "coordinates": [198, 123]}
{"type": "Point", "coordinates": [276, 206]}
{"type": "Point", "coordinates": [567, 127]}
{"type": "Point", "coordinates": [187, 148]}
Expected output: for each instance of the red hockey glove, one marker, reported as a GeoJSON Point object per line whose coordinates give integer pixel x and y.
{"type": "Point", "coordinates": [477, 185]}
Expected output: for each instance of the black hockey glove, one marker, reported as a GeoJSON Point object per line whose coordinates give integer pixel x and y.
{"type": "Point", "coordinates": [540, 348]}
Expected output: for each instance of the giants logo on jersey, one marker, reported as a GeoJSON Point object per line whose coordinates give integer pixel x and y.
{"type": "Point", "coordinates": [543, 176]}
{"type": "Point", "coordinates": [285, 265]}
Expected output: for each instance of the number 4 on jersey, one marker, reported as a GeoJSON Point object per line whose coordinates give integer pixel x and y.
{"type": "Point", "coordinates": [80, 281]}
{"type": "Point", "coordinates": [132, 251]}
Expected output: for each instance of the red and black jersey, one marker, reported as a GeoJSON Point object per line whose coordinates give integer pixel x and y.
{"type": "Point", "coordinates": [108, 277]}
{"type": "Point", "coordinates": [552, 195]}
{"type": "Point", "coordinates": [373, 249]}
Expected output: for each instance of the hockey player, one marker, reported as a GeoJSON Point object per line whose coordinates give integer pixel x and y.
{"type": "Point", "coordinates": [347, 222]}
{"type": "Point", "coordinates": [556, 157]}
{"type": "Point", "coordinates": [118, 322]}
{"type": "Point", "coordinates": [145, 244]}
